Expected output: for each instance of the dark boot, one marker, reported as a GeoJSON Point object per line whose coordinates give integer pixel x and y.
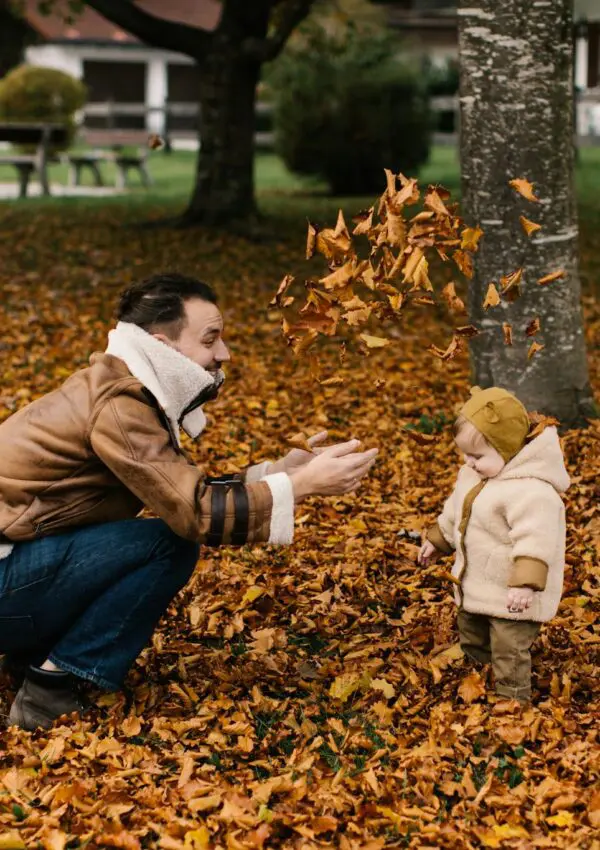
{"type": "Point", "coordinates": [42, 698]}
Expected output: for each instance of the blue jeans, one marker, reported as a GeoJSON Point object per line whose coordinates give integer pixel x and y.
{"type": "Point", "coordinates": [90, 599]}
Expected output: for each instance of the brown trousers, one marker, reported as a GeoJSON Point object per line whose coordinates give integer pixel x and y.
{"type": "Point", "coordinates": [504, 643]}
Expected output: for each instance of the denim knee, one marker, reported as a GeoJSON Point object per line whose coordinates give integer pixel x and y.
{"type": "Point", "coordinates": [182, 554]}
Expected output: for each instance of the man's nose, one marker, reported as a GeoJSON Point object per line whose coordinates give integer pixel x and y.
{"type": "Point", "coordinates": [222, 352]}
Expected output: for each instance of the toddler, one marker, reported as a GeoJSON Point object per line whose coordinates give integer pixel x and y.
{"type": "Point", "coordinates": [505, 521]}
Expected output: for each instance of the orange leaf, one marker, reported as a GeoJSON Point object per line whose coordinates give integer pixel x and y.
{"type": "Point", "coordinates": [470, 238]}
{"type": "Point", "coordinates": [299, 441]}
{"type": "Point", "coordinates": [456, 346]}
{"type": "Point", "coordinates": [533, 349]}
{"type": "Point", "coordinates": [435, 203]}
{"type": "Point", "coordinates": [311, 241]}
{"type": "Point", "coordinates": [533, 327]}
{"type": "Point", "coordinates": [455, 304]}
{"type": "Point", "coordinates": [492, 298]}
{"type": "Point", "coordinates": [511, 281]}
{"type": "Point", "coordinates": [155, 142]}
{"type": "Point", "coordinates": [472, 687]}
{"type": "Point", "coordinates": [529, 226]}
{"type": "Point", "coordinates": [507, 331]}
{"type": "Point", "coordinates": [374, 341]}
{"type": "Point", "coordinates": [524, 188]}
{"type": "Point", "coordinates": [364, 221]}
{"type": "Point", "coordinates": [283, 288]}
{"type": "Point", "coordinates": [549, 278]}
{"type": "Point", "coordinates": [464, 261]}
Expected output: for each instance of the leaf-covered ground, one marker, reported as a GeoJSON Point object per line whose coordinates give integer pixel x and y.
{"type": "Point", "coordinates": [310, 697]}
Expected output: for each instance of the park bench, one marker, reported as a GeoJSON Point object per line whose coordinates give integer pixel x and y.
{"type": "Point", "coordinates": [40, 136]}
{"type": "Point", "coordinates": [127, 149]}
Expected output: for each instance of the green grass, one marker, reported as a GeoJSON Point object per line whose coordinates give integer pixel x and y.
{"type": "Point", "coordinates": [281, 194]}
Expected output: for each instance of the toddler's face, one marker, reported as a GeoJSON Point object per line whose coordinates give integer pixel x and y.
{"type": "Point", "coordinates": [478, 453]}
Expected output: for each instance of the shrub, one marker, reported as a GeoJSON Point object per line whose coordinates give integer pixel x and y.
{"type": "Point", "coordinates": [31, 93]}
{"type": "Point", "coordinates": [346, 107]}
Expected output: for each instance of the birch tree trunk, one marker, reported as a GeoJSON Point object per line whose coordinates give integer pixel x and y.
{"type": "Point", "coordinates": [516, 96]}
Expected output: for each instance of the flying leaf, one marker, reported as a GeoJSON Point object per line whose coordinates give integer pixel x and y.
{"type": "Point", "coordinates": [283, 288]}
{"type": "Point", "coordinates": [470, 238]}
{"type": "Point", "coordinates": [311, 241]}
{"type": "Point", "coordinates": [549, 278]}
{"type": "Point", "coordinates": [374, 341]}
{"type": "Point", "coordinates": [455, 348]}
{"type": "Point", "coordinates": [524, 188]}
{"type": "Point", "coordinates": [155, 142]}
{"type": "Point", "coordinates": [299, 441]}
{"type": "Point", "coordinates": [418, 436]}
{"type": "Point", "coordinates": [464, 262]}
{"type": "Point", "coordinates": [511, 281]}
{"type": "Point", "coordinates": [335, 381]}
{"type": "Point", "coordinates": [467, 331]}
{"type": "Point", "coordinates": [538, 422]}
{"type": "Point", "coordinates": [492, 297]}
{"type": "Point", "coordinates": [507, 331]}
{"type": "Point", "coordinates": [533, 327]}
{"type": "Point", "coordinates": [435, 203]}
{"type": "Point", "coordinates": [528, 226]}
{"type": "Point", "coordinates": [533, 349]}
{"type": "Point", "coordinates": [455, 304]}
{"type": "Point", "coordinates": [364, 222]}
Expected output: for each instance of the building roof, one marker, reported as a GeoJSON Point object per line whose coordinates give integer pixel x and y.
{"type": "Point", "coordinates": [89, 25]}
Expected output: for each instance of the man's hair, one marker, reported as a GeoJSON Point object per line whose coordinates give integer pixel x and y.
{"type": "Point", "coordinates": [157, 303]}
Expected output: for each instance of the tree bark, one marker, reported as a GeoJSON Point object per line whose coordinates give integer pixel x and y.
{"type": "Point", "coordinates": [516, 97]}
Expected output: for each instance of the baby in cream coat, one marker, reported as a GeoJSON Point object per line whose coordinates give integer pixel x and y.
{"type": "Point", "coordinates": [505, 521]}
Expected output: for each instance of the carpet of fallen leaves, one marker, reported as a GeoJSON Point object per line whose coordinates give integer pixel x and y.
{"type": "Point", "coordinates": [314, 696]}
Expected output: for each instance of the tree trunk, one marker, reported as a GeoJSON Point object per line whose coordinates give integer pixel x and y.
{"type": "Point", "coordinates": [516, 97]}
{"type": "Point", "coordinates": [224, 189]}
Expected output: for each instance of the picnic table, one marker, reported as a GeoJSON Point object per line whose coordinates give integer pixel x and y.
{"type": "Point", "coordinates": [42, 137]}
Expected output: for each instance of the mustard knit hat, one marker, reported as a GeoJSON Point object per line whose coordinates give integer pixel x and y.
{"type": "Point", "coordinates": [500, 417]}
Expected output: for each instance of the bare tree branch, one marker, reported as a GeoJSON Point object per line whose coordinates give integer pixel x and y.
{"type": "Point", "coordinates": [157, 32]}
{"type": "Point", "coordinates": [293, 13]}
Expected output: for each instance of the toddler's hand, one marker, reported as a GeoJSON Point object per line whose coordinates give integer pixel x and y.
{"type": "Point", "coordinates": [427, 553]}
{"type": "Point", "coordinates": [519, 599]}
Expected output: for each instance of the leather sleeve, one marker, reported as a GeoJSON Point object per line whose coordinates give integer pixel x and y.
{"type": "Point", "coordinates": [128, 436]}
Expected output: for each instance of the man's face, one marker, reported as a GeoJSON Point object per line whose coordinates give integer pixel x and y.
{"type": "Point", "coordinates": [201, 338]}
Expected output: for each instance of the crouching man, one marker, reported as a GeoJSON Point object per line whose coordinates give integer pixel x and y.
{"type": "Point", "coordinates": [83, 581]}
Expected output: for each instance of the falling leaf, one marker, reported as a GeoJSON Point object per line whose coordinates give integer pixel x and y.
{"type": "Point", "coordinates": [539, 422]}
{"type": "Point", "coordinates": [283, 288]}
{"type": "Point", "coordinates": [435, 203]}
{"type": "Point", "coordinates": [334, 381]}
{"type": "Point", "coordinates": [364, 222]}
{"type": "Point", "coordinates": [511, 281]}
{"type": "Point", "coordinates": [507, 331]}
{"type": "Point", "coordinates": [299, 441]}
{"type": "Point", "coordinates": [455, 304]}
{"type": "Point", "coordinates": [374, 341]}
{"type": "Point", "coordinates": [550, 278]}
{"type": "Point", "coordinates": [155, 142]}
{"type": "Point", "coordinates": [533, 327]}
{"type": "Point", "coordinates": [528, 226]}
{"type": "Point", "coordinates": [418, 436]}
{"type": "Point", "coordinates": [467, 331]}
{"type": "Point", "coordinates": [534, 348]}
{"type": "Point", "coordinates": [470, 238]}
{"type": "Point", "coordinates": [524, 188]}
{"type": "Point", "coordinates": [492, 297]}
{"type": "Point", "coordinates": [456, 347]}
{"type": "Point", "coordinates": [471, 687]}
{"type": "Point", "coordinates": [464, 262]}
{"type": "Point", "coordinates": [311, 241]}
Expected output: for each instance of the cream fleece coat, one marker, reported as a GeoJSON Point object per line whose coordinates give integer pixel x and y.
{"type": "Point", "coordinates": [517, 514]}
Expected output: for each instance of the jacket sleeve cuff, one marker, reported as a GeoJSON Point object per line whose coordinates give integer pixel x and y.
{"type": "Point", "coordinates": [282, 513]}
{"type": "Point", "coordinates": [528, 572]}
{"type": "Point", "coordinates": [435, 536]}
{"type": "Point", "coordinates": [257, 472]}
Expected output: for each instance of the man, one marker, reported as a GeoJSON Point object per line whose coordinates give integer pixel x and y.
{"type": "Point", "coordinates": [83, 582]}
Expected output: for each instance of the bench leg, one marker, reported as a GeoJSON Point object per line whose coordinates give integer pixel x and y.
{"type": "Point", "coordinates": [24, 173]}
{"type": "Point", "coordinates": [146, 178]}
{"type": "Point", "coordinates": [97, 173]}
{"type": "Point", "coordinates": [121, 181]}
{"type": "Point", "coordinates": [73, 174]}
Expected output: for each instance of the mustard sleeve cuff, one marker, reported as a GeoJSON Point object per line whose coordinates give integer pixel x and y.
{"type": "Point", "coordinates": [435, 536]}
{"type": "Point", "coordinates": [528, 572]}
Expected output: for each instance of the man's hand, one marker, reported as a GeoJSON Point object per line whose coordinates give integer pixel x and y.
{"type": "Point", "coordinates": [296, 458]}
{"type": "Point", "coordinates": [519, 599]}
{"type": "Point", "coordinates": [334, 471]}
{"type": "Point", "coordinates": [427, 553]}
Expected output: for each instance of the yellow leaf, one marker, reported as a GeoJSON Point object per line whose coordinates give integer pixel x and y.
{"type": "Point", "coordinates": [492, 298]}
{"type": "Point", "coordinates": [11, 841]}
{"type": "Point", "coordinates": [549, 278]}
{"type": "Point", "coordinates": [524, 188]}
{"type": "Point", "coordinates": [529, 226]}
{"type": "Point", "coordinates": [332, 382]}
{"type": "Point", "coordinates": [500, 832]}
{"type": "Point", "coordinates": [374, 341]}
{"type": "Point", "coordinates": [253, 592]}
{"type": "Point", "coordinates": [561, 819]}
{"type": "Point", "coordinates": [533, 349]}
{"type": "Point", "coordinates": [385, 687]}
{"type": "Point", "coordinates": [264, 813]}
{"type": "Point", "coordinates": [390, 814]}
{"type": "Point", "coordinates": [470, 238]}
{"type": "Point", "coordinates": [197, 839]}
{"type": "Point", "coordinates": [511, 281]}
